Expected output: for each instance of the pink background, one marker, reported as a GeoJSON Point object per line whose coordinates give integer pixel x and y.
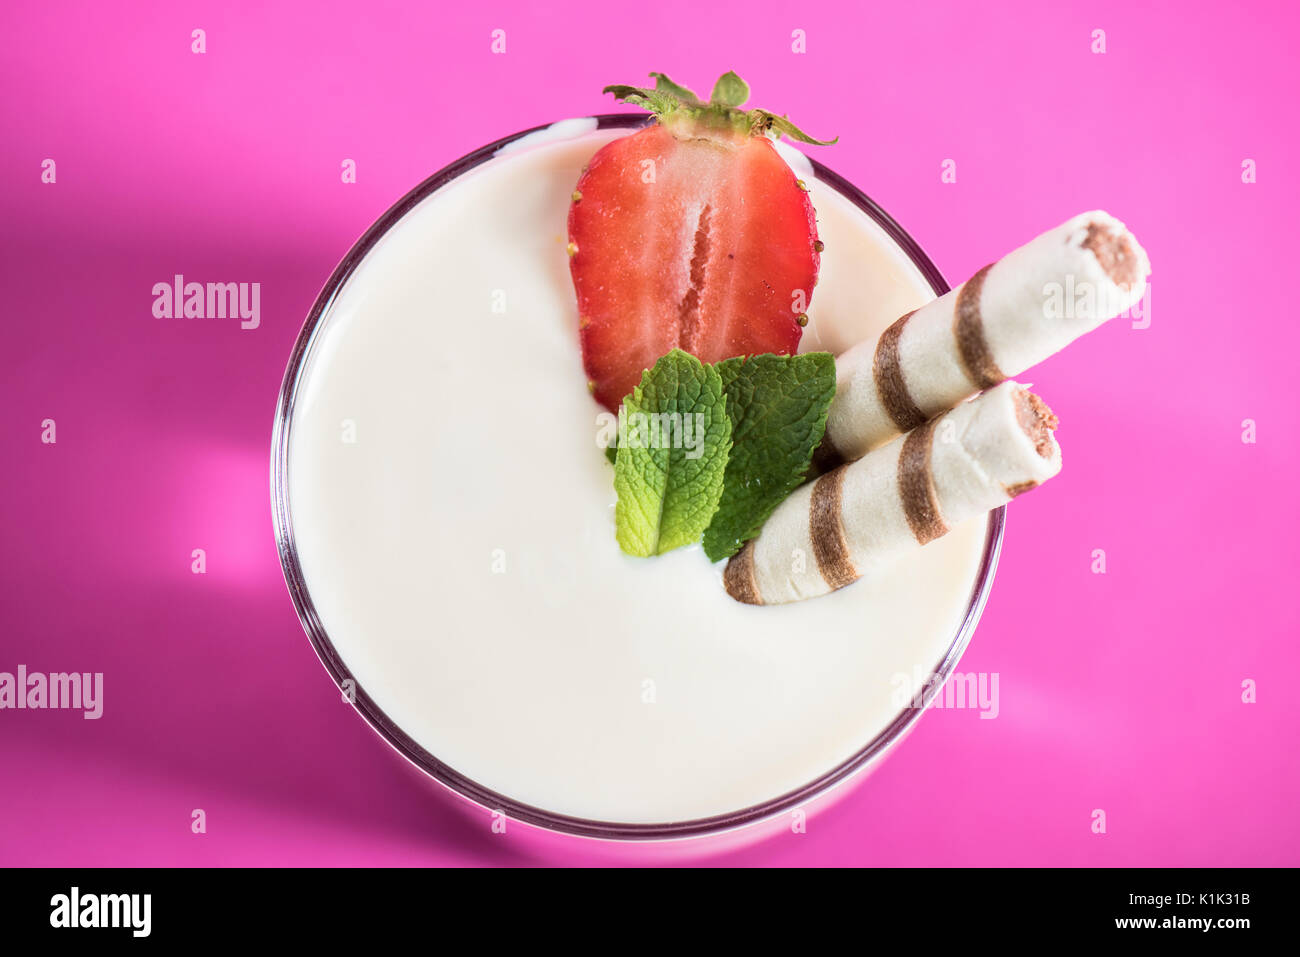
{"type": "Point", "coordinates": [1119, 691]}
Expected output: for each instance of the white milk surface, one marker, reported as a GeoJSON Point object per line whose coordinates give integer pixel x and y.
{"type": "Point", "coordinates": [461, 553]}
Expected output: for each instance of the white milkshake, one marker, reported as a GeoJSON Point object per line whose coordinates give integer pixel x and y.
{"type": "Point", "coordinates": [453, 519]}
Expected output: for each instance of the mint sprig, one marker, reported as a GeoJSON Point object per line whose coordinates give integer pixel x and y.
{"type": "Point", "coordinates": [777, 406]}
{"type": "Point", "coordinates": [670, 463]}
{"type": "Point", "coordinates": [759, 420]}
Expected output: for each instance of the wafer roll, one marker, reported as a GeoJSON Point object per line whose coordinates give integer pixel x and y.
{"type": "Point", "coordinates": [1004, 319]}
{"type": "Point", "coordinates": [835, 529]}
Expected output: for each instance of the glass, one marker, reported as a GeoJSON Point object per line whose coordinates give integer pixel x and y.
{"type": "Point", "coordinates": [871, 751]}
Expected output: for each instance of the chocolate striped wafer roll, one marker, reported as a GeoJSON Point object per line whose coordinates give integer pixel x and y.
{"type": "Point", "coordinates": [833, 530]}
{"type": "Point", "coordinates": [1004, 319]}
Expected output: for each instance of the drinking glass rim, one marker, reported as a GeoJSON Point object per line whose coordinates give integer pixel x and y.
{"type": "Point", "coordinates": [428, 763]}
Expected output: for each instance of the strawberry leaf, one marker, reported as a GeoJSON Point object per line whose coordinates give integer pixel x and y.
{"type": "Point", "coordinates": [763, 121]}
{"type": "Point", "coordinates": [730, 91]}
{"type": "Point", "coordinates": [683, 94]}
{"type": "Point", "coordinates": [654, 101]}
{"type": "Point", "coordinates": [680, 106]}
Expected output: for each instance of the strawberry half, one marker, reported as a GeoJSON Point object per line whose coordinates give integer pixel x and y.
{"type": "Point", "coordinates": [692, 233]}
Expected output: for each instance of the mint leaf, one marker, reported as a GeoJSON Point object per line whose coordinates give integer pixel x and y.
{"type": "Point", "coordinates": [777, 406]}
{"type": "Point", "coordinates": [671, 456]}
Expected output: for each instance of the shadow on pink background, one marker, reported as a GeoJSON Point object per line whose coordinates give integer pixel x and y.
{"type": "Point", "coordinates": [1120, 691]}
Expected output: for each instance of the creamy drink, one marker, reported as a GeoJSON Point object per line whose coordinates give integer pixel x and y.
{"type": "Point", "coordinates": [452, 517]}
